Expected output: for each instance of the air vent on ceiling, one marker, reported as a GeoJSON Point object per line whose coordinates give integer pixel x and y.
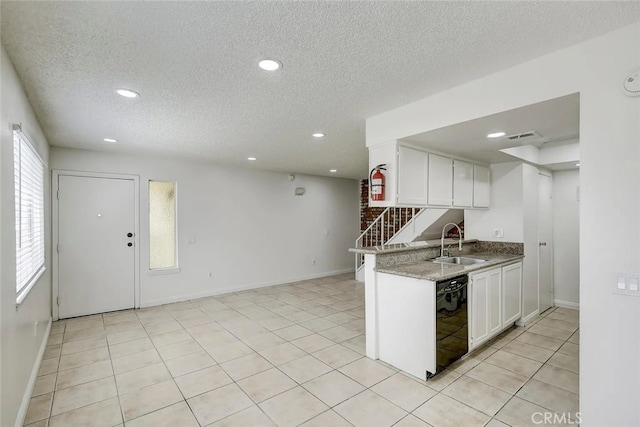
{"type": "Point", "coordinates": [528, 136]}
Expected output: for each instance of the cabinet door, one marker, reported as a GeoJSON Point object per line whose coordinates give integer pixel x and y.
{"type": "Point", "coordinates": [512, 293]}
{"type": "Point", "coordinates": [462, 183]}
{"type": "Point", "coordinates": [481, 186]}
{"type": "Point", "coordinates": [440, 180]}
{"type": "Point", "coordinates": [495, 301]}
{"type": "Point", "coordinates": [412, 176]}
{"type": "Point", "coordinates": [479, 312]}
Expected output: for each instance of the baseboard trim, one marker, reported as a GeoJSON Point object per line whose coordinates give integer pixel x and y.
{"type": "Point", "coordinates": [526, 320]}
{"type": "Point", "coordinates": [26, 398]}
{"type": "Point", "coordinates": [566, 304]}
{"type": "Point", "coordinates": [181, 298]}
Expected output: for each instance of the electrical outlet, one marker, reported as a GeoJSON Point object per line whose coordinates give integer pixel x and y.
{"type": "Point", "coordinates": [313, 261]}
{"type": "Point", "coordinates": [210, 274]}
{"type": "Point", "coordinates": [498, 232]}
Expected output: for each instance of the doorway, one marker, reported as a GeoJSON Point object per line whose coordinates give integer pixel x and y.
{"type": "Point", "coordinates": [545, 242]}
{"type": "Point", "coordinates": [95, 243]}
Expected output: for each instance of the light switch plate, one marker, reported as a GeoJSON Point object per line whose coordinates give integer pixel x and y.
{"type": "Point", "coordinates": [627, 285]}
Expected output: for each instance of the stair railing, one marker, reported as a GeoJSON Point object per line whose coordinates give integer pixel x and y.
{"type": "Point", "coordinates": [383, 228]}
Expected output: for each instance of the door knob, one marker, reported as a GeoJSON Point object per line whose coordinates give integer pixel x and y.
{"type": "Point", "coordinates": [542, 244]}
{"type": "Point", "coordinates": [129, 234]}
{"type": "Point", "coordinates": [129, 244]}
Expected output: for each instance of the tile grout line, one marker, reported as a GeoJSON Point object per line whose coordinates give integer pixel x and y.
{"type": "Point", "coordinates": [298, 384]}
{"type": "Point", "coordinates": [530, 378]}
{"type": "Point", "coordinates": [234, 381]}
{"type": "Point", "coordinates": [183, 328]}
{"type": "Point", "coordinates": [114, 377]}
{"type": "Point", "coordinates": [342, 343]}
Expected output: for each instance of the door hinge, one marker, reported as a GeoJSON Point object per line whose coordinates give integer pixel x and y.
{"type": "Point", "coordinates": [57, 300]}
{"type": "Point", "coordinates": [57, 247]}
{"type": "Point", "coordinates": [58, 194]}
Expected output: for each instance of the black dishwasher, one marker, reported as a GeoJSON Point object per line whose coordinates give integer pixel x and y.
{"type": "Point", "coordinates": [452, 331]}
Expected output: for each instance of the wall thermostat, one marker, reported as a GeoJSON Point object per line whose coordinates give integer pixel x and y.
{"type": "Point", "coordinates": [631, 85]}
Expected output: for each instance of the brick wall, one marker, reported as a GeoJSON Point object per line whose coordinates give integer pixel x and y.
{"type": "Point", "coordinates": [453, 233]}
{"type": "Point", "coordinates": [367, 214]}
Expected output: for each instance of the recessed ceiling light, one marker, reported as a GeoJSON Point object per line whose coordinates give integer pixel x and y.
{"type": "Point", "coordinates": [110, 140]}
{"type": "Point", "coordinates": [251, 158]}
{"type": "Point", "coordinates": [318, 135]}
{"type": "Point", "coordinates": [496, 135]}
{"type": "Point", "coordinates": [578, 165]}
{"type": "Point", "coordinates": [127, 93]}
{"type": "Point", "coordinates": [333, 170]}
{"type": "Point", "coordinates": [270, 64]}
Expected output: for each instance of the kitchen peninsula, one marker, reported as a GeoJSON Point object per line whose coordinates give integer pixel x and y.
{"type": "Point", "coordinates": [416, 309]}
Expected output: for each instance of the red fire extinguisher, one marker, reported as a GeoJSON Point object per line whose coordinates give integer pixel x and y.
{"type": "Point", "coordinates": [376, 182]}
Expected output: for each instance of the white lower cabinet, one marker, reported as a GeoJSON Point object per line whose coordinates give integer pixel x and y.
{"type": "Point", "coordinates": [512, 293]}
{"type": "Point", "coordinates": [496, 296]}
{"type": "Point", "coordinates": [486, 292]}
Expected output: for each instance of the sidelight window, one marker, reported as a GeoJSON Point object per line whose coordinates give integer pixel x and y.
{"type": "Point", "coordinates": [163, 253]}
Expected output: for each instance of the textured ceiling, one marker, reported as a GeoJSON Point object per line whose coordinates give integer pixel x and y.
{"type": "Point", "coordinates": [203, 95]}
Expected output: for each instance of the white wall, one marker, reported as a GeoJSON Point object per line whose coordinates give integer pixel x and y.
{"type": "Point", "coordinates": [530, 197]}
{"type": "Point", "coordinates": [19, 345]}
{"type": "Point", "coordinates": [609, 151]}
{"type": "Point", "coordinates": [560, 152]}
{"type": "Point", "coordinates": [249, 227]}
{"type": "Point", "coordinates": [566, 237]}
{"type": "Point", "coordinates": [506, 207]}
{"type": "Point", "coordinates": [514, 209]}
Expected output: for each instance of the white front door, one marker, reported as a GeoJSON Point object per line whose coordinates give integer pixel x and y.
{"type": "Point", "coordinates": [96, 259]}
{"type": "Point", "coordinates": [545, 242]}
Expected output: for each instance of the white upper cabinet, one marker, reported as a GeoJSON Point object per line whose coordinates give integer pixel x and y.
{"type": "Point", "coordinates": [412, 176]}
{"type": "Point", "coordinates": [481, 186]}
{"type": "Point", "coordinates": [462, 183]}
{"type": "Point", "coordinates": [440, 180]}
{"type": "Point", "coordinates": [415, 177]}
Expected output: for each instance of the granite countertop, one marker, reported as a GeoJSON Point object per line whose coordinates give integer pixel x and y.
{"type": "Point", "coordinates": [401, 247]}
{"type": "Point", "coordinates": [429, 270]}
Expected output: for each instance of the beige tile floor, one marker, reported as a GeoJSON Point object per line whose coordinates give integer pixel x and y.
{"type": "Point", "coordinates": [289, 355]}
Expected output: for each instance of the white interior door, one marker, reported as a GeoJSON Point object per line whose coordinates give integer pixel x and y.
{"type": "Point", "coordinates": [96, 259]}
{"type": "Point", "coordinates": [545, 242]}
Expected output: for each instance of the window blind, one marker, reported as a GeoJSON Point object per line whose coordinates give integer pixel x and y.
{"type": "Point", "coordinates": [29, 205]}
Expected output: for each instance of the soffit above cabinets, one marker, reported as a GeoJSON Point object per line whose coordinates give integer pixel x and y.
{"type": "Point", "coordinates": [549, 121]}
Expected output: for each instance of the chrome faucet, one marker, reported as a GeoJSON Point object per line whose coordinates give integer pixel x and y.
{"type": "Point", "coordinates": [442, 238]}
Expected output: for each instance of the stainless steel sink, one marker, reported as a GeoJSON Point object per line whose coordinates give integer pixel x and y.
{"type": "Point", "coordinates": [458, 260]}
